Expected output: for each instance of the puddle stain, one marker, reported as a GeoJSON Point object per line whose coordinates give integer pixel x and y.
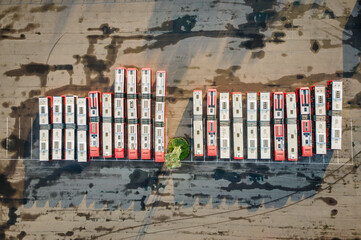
{"type": "Point", "coordinates": [355, 102]}
{"type": "Point", "coordinates": [29, 217]}
{"type": "Point", "coordinates": [21, 235]}
{"type": "Point", "coordinates": [67, 234]}
{"type": "Point", "coordinates": [51, 7]}
{"type": "Point", "coordinates": [8, 29]}
{"type": "Point", "coordinates": [328, 200]}
{"type": "Point", "coordinates": [101, 228]}
{"type": "Point", "coordinates": [12, 144]}
{"type": "Point", "coordinates": [9, 10]}
{"type": "Point", "coordinates": [4, 37]}
{"type": "Point", "coordinates": [70, 169]}
{"type": "Point", "coordinates": [33, 93]}
{"type": "Point", "coordinates": [6, 189]}
{"type": "Point", "coordinates": [259, 54]}
{"type": "Point", "coordinates": [334, 212]}
{"type": "Point", "coordinates": [175, 94]}
{"type": "Point", "coordinates": [38, 69]}
{"type": "Point", "coordinates": [6, 104]}
{"type": "Point", "coordinates": [326, 44]}
{"type": "Point", "coordinates": [105, 29]}
{"type": "Point", "coordinates": [142, 179]}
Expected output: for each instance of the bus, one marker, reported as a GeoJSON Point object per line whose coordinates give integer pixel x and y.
{"type": "Point", "coordinates": [146, 114]}
{"type": "Point", "coordinates": [305, 125]}
{"type": "Point", "coordinates": [94, 123]}
{"type": "Point", "coordinates": [132, 112]}
{"type": "Point", "coordinates": [334, 107]}
{"type": "Point", "coordinates": [252, 149]}
{"type": "Point", "coordinates": [107, 126]}
{"type": "Point", "coordinates": [70, 126]}
{"type": "Point", "coordinates": [119, 112]}
{"type": "Point", "coordinates": [224, 124]}
{"type": "Point", "coordinates": [211, 123]}
{"type": "Point", "coordinates": [160, 108]}
{"type": "Point", "coordinates": [237, 125]}
{"type": "Point", "coordinates": [45, 120]}
{"type": "Point", "coordinates": [319, 119]}
{"type": "Point", "coordinates": [82, 129]}
{"type": "Point", "coordinates": [264, 124]}
{"type": "Point", "coordinates": [198, 123]}
{"type": "Point", "coordinates": [278, 126]}
{"type": "Point", "coordinates": [291, 126]}
{"type": "Point", "coordinates": [58, 128]}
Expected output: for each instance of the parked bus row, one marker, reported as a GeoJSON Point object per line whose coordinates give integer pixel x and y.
{"type": "Point", "coordinates": [279, 126]}
{"type": "Point", "coordinates": [106, 125]}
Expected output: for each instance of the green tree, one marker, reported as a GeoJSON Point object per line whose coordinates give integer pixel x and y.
{"type": "Point", "coordinates": [178, 149]}
{"type": "Point", "coordinates": [172, 159]}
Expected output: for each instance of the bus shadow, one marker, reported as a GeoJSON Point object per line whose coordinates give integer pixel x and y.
{"type": "Point", "coordinates": [140, 184]}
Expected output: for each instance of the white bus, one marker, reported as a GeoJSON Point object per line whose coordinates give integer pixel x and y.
{"type": "Point", "coordinates": [82, 129]}
{"type": "Point", "coordinates": [224, 124]}
{"type": "Point", "coordinates": [252, 148]}
{"type": "Point", "coordinates": [265, 126]}
{"type": "Point", "coordinates": [119, 112]}
{"type": "Point", "coordinates": [335, 111]}
{"type": "Point", "coordinates": [132, 113]}
{"type": "Point", "coordinates": [107, 133]}
{"type": "Point", "coordinates": [45, 128]}
{"type": "Point", "coordinates": [278, 126]}
{"type": "Point", "coordinates": [237, 125]}
{"type": "Point", "coordinates": [146, 114]}
{"type": "Point", "coordinates": [291, 123]}
{"type": "Point", "coordinates": [161, 78]}
{"type": "Point", "coordinates": [70, 126]}
{"type": "Point", "coordinates": [319, 119]}
{"type": "Point", "coordinates": [58, 127]}
{"type": "Point", "coordinates": [198, 123]}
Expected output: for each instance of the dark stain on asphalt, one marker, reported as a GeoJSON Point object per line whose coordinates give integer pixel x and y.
{"type": "Point", "coordinates": [7, 37]}
{"type": "Point", "coordinates": [21, 235]}
{"type": "Point", "coordinates": [79, 90]}
{"type": "Point", "coordinates": [6, 189]}
{"type": "Point", "coordinates": [334, 212]}
{"type": "Point", "coordinates": [9, 10]}
{"type": "Point", "coordinates": [86, 215]}
{"type": "Point", "coordinates": [69, 169]}
{"type": "Point", "coordinates": [8, 29]}
{"type": "Point", "coordinates": [166, 205]}
{"type": "Point", "coordinates": [12, 143]}
{"type": "Point", "coordinates": [29, 217]}
{"type": "Point", "coordinates": [51, 7]}
{"type": "Point", "coordinates": [181, 28]}
{"type": "Point", "coordinates": [290, 25]}
{"type": "Point", "coordinates": [101, 228]}
{"type": "Point", "coordinates": [179, 25]}
{"type": "Point", "coordinates": [34, 93]}
{"type": "Point", "coordinates": [276, 37]}
{"type": "Point", "coordinates": [142, 179]}
{"type": "Point", "coordinates": [6, 104]}
{"type": "Point", "coordinates": [12, 216]}
{"type": "Point", "coordinates": [105, 29]}
{"type": "Point", "coordinates": [67, 234]}
{"type": "Point", "coordinates": [356, 101]}
{"type": "Point", "coordinates": [328, 200]}
{"type": "Point", "coordinates": [312, 186]}
{"type": "Point", "coordinates": [94, 66]}
{"type": "Point", "coordinates": [229, 176]}
{"type": "Point", "coordinates": [259, 54]}
{"type": "Point", "coordinates": [38, 69]}
{"type": "Point", "coordinates": [175, 93]}
{"type": "Point", "coordinates": [315, 46]}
